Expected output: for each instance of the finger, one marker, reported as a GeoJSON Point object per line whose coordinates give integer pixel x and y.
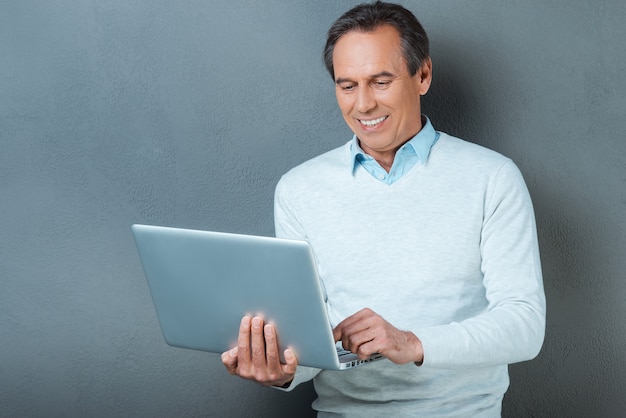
{"type": "Point", "coordinates": [243, 343]}
{"type": "Point", "coordinates": [350, 332]}
{"type": "Point", "coordinates": [354, 323]}
{"type": "Point", "coordinates": [271, 348]}
{"type": "Point", "coordinates": [342, 328]}
{"type": "Point", "coordinates": [356, 342]}
{"type": "Point", "coordinates": [365, 349]}
{"type": "Point", "coordinates": [257, 340]}
{"type": "Point", "coordinates": [292, 363]}
{"type": "Point", "coordinates": [342, 333]}
{"type": "Point", "coordinates": [337, 332]}
{"type": "Point", "coordinates": [357, 334]}
{"type": "Point", "coordinates": [229, 359]}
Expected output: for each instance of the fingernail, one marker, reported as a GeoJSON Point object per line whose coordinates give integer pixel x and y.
{"type": "Point", "coordinates": [233, 352]}
{"type": "Point", "coordinates": [256, 322]}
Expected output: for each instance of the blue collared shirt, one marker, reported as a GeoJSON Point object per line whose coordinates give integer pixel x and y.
{"type": "Point", "coordinates": [414, 151]}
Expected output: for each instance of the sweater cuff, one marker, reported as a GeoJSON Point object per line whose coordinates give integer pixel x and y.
{"type": "Point", "coordinates": [303, 374]}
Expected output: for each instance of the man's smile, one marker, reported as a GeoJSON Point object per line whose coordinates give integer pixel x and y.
{"type": "Point", "coordinates": [372, 122]}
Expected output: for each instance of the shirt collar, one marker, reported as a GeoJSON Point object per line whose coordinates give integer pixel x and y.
{"type": "Point", "coordinates": [421, 144]}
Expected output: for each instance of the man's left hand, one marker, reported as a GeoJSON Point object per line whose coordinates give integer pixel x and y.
{"type": "Point", "coordinates": [366, 333]}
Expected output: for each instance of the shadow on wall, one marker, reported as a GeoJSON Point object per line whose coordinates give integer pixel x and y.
{"type": "Point", "coordinates": [582, 330]}
{"type": "Point", "coordinates": [493, 103]}
{"type": "Point", "coordinates": [463, 101]}
{"type": "Point", "coordinates": [448, 103]}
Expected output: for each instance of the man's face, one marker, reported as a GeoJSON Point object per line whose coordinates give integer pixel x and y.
{"type": "Point", "coordinates": [378, 98]}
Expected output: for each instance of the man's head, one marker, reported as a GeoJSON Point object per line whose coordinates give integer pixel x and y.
{"type": "Point", "coordinates": [367, 18]}
{"type": "Point", "coordinates": [378, 90]}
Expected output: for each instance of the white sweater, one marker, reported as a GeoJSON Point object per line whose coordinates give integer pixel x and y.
{"type": "Point", "coordinates": [448, 252]}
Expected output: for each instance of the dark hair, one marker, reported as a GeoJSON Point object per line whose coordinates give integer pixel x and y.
{"type": "Point", "coordinates": [369, 17]}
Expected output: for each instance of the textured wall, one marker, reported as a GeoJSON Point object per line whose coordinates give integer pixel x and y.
{"type": "Point", "coordinates": [186, 113]}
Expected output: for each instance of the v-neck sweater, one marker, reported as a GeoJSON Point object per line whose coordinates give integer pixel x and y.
{"type": "Point", "coordinates": [449, 251]}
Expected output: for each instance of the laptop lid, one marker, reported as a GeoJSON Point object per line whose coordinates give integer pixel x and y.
{"type": "Point", "coordinates": [202, 283]}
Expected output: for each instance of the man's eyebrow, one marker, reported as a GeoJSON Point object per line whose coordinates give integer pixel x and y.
{"type": "Point", "coordinates": [384, 74]}
{"type": "Point", "coordinates": [373, 76]}
{"type": "Point", "coordinates": [341, 80]}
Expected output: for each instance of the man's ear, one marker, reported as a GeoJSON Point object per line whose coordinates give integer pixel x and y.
{"type": "Point", "coordinates": [425, 76]}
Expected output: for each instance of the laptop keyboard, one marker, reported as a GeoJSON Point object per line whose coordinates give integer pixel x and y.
{"type": "Point", "coordinates": [348, 363]}
{"type": "Point", "coordinates": [342, 352]}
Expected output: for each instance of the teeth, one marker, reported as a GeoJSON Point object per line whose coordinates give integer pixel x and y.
{"type": "Point", "coordinates": [370, 123]}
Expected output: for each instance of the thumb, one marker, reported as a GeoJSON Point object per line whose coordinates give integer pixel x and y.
{"type": "Point", "coordinates": [292, 362]}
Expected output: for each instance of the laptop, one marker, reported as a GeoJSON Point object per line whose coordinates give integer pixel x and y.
{"type": "Point", "coordinates": [202, 283]}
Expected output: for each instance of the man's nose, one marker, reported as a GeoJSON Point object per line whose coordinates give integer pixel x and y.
{"type": "Point", "coordinates": [365, 100]}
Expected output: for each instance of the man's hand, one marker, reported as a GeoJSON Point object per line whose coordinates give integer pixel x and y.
{"type": "Point", "coordinates": [366, 333]}
{"type": "Point", "coordinates": [256, 355]}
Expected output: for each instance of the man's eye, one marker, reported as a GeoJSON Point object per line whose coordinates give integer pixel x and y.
{"type": "Point", "coordinates": [347, 88]}
{"type": "Point", "coordinates": [382, 83]}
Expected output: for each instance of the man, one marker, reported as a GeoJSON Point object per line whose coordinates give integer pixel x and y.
{"type": "Point", "coordinates": [426, 244]}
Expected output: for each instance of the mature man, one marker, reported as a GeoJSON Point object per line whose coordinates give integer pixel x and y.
{"type": "Point", "coordinates": [426, 244]}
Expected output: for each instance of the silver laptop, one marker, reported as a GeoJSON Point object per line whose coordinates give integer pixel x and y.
{"type": "Point", "coordinates": [202, 284]}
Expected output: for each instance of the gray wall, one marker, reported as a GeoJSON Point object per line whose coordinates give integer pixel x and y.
{"type": "Point", "coordinates": [186, 113]}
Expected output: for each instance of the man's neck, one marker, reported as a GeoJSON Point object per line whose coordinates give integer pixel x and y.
{"type": "Point", "coordinates": [385, 159]}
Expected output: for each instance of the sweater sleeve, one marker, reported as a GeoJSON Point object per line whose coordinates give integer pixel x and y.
{"type": "Point", "coordinates": [286, 223]}
{"type": "Point", "coordinates": [512, 327]}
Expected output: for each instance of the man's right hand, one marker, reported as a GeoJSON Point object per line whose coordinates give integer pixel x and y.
{"type": "Point", "coordinates": [256, 355]}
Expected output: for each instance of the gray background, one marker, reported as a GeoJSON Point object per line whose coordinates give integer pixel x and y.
{"type": "Point", "coordinates": [186, 113]}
